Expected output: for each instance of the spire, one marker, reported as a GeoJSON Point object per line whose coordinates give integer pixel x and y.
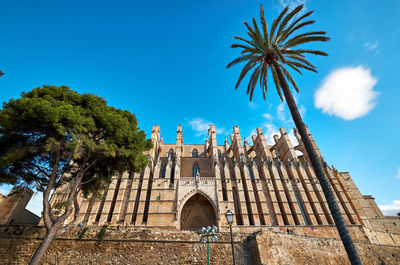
{"type": "Point", "coordinates": [246, 144]}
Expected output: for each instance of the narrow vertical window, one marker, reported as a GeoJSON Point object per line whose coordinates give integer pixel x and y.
{"type": "Point", "coordinates": [251, 174]}
{"type": "Point", "coordinates": [163, 172]}
{"type": "Point", "coordinates": [170, 153]}
{"type": "Point", "coordinates": [195, 169]}
{"type": "Point", "coordinates": [303, 212]}
{"type": "Point", "coordinates": [195, 153]}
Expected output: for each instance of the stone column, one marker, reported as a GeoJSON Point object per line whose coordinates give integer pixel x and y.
{"type": "Point", "coordinates": [119, 202]}
{"type": "Point", "coordinates": [261, 195]}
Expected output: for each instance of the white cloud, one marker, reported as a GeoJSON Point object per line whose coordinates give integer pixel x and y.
{"type": "Point", "coordinates": [398, 173]}
{"type": "Point", "coordinates": [372, 46]}
{"type": "Point", "coordinates": [268, 116]}
{"type": "Point", "coordinates": [201, 126]}
{"type": "Point", "coordinates": [249, 138]}
{"type": "Point", "coordinates": [292, 3]}
{"type": "Point", "coordinates": [284, 116]}
{"type": "Point", "coordinates": [270, 131]}
{"type": "Point", "coordinates": [293, 138]}
{"type": "Point", "coordinates": [253, 105]}
{"type": "Point", "coordinates": [391, 209]}
{"type": "Point", "coordinates": [280, 112]}
{"type": "Point", "coordinates": [302, 111]}
{"type": "Point", "coordinates": [347, 93]}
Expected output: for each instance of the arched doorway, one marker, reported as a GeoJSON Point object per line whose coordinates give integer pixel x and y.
{"type": "Point", "coordinates": [197, 212]}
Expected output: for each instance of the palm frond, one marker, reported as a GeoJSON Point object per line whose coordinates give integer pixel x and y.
{"type": "Point", "coordinates": [250, 64]}
{"type": "Point", "coordinates": [289, 76]}
{"type": "Point", "coordinates": [288, 31]}
{"type": "Point", "coordinates": [275, 23]}
{"type": "Point", "coordinates": [255, 37]}
{"type": "Point", "coordinates": [302, 60]}
{"type": "Point", "coordinates": [276, 81]}
{"type": "Point", "coordinates": [243, 39]}
{"type": "Point", "coordinates": [245, 52]}
{"type": "Point", "coordinates": [293, 67]}
{"type": "Point", "coordinates": [263, 81]}
{"type": "Point", "coordinates": [307, 34]}
{"type": "Point", "coordinates": [287, 18]}
{"type": "Point", "coordinates": [264, 26]}
{"type": "Point", "coordinates": [253, 81]}
{"type": "Point", "coordinates": [276, 50]}
{"type": "Point", "coordinates": [260, 39]}
{"type": "Point", "coordinates": [300, 65]}
{"type": "Point", "coordinates": [250, 49]}
{"type": "Point", "coordinates": [305, 40]}
{"type": "Point", "coordinates": [301, 51]}
{"type": "Point", "coordinates": [292, 54]}
{"type": "Point", "coordinates": [241, 59]}
{"type": "Point", "coordinates": [278, 53]}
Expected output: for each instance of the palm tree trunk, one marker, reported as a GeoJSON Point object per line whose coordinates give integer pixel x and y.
{"type": "Point", "coordinates": [317, 165]}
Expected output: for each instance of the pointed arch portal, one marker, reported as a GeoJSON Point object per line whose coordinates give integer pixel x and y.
{"type": "Point", "coordinates": [197, 212]}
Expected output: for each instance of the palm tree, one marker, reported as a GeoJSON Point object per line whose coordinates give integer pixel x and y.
{"type": "Point", "coordinates": [274, 51]}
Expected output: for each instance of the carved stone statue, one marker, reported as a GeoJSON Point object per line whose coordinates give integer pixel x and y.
{"type": "Point", "coordinates": [158, 161]}
{"type": "Point", "coordinates": [197, 178]}
{"type": "Point", "coordinates": [242, 159]}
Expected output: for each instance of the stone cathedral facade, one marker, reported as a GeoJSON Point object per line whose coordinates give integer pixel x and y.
{"type": "Point", "coordinates": [187, 186]}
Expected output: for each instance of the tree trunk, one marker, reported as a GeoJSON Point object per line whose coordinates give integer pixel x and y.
{"type": "Point", "coordinates": [50, 235]}
{"type": "Point", "coordinates": [317, 165]}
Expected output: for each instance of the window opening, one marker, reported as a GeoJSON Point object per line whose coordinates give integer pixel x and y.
{"type": "Point", "coordinates": [195, 169]}
{"type": "Point", "coordinates": [163, 172]}
{"type": "Point", "coordinates": [170, 153]}
{"type": "Point", "coordinates": [303, 213]}
{"type": "Point", "coordinates": [251, 174]}
{"type": "Point", "coordinates": [195, 153]}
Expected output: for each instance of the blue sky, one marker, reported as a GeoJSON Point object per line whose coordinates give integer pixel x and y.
{"type": "Point", "coordinates": [165, 61]}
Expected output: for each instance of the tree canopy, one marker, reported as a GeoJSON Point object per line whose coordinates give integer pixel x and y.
{"type": "Point", "coordinates": [49, 127]}
{"type": "Point", "coordinates": [54, 136]}
{"type": "Point", "coordinates": [267, 51]}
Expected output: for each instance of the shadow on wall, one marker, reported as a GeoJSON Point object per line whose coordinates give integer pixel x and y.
{"type": "Point", "coordinates": [12, 207]}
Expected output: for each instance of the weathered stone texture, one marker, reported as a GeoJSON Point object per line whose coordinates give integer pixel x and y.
{"type": "Point", "coordinates": [124, 246]}
{"type": "Point", "coordinates": [265, 185]}
{"type": "Point", "coordinates": [277, 248]}
{"type": "Point", "coordinates": [157, 246]}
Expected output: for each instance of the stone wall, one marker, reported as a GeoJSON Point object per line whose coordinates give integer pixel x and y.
{"type": "Point", "coordinates": [12, 207]}
{"type": "Point", "coordinates": [120, 246]}
{"type": "Point", "coordinates": [158, 246]}
{"type": "Point", "coordinates": [390, 224]}
{"type": "Point", "coordinates": [277, 248]}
